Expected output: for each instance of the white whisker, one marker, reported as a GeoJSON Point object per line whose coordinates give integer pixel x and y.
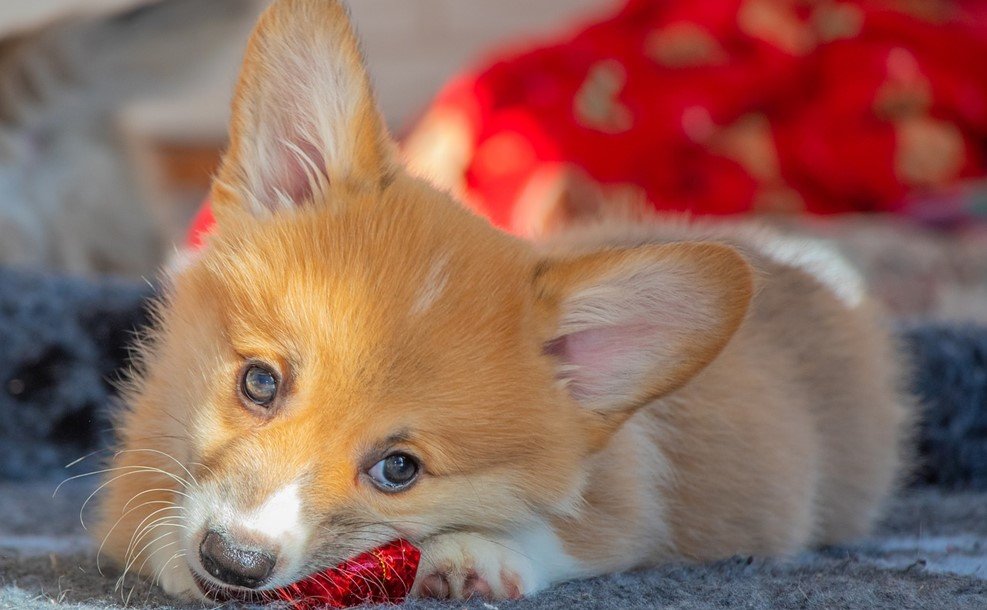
{"type": "Point", "coordinates": [131, 470]}
{"type": "Point", "coordinates": [167, 455]}
{"type": "Point", "coordinates": [135, 538]}
{"type": "Point", "coordinates": [126, 512]}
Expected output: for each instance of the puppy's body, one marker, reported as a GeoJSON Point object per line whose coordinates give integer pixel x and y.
{"type": "Point", "coordinates": [791, 437]}
{"type": "Point", "coordinates": [622, 396]}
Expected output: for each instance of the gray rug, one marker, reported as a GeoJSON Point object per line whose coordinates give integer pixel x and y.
{"type": "Point", "coordinates": [931, 552]}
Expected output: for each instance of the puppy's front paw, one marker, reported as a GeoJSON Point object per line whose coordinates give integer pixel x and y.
{"type": "Point", "coordinates": [464, 565]}
{"type": "Point", "coordinates": [176, 580]}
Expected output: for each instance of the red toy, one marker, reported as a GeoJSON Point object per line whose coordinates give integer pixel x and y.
{"type": "Point", "coordinates": [383, 575]}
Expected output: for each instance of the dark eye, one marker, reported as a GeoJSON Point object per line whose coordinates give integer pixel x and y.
{"type": "Point", "coordinates": [259, 385]}
{"type": "Point", "coordinates": [395, 472]}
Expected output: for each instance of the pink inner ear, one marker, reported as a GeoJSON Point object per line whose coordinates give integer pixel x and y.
{"type": "Point", "coordinates": [606, 361]}
{"type": "Point", "coordinates": [297, 171]}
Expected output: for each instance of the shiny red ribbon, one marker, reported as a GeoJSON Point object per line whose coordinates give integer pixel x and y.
{"type": "Point", "coordinates": [383, 575]}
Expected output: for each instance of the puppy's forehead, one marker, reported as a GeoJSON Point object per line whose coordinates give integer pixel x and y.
{"type": "Point", "coordinates": [374, 281]}
{"type": "Point", "coordinates": [410, 236]}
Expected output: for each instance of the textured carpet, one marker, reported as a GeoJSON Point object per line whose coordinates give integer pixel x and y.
{"type": "Point", "coordinates": [63, 343]}
{"type": "Point", "coordinates": [931, 552]}
{"type": "Point", "coordinates": [950, 380]}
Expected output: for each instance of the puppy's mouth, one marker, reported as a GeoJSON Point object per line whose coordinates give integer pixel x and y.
{"type": "Point", "coordinates": [222, 594]}
{"type": "Point", "coordinates": [382, 575]}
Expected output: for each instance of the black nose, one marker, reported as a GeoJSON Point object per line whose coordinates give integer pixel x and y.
{"type": "Point", "coordinates": [234, 565]}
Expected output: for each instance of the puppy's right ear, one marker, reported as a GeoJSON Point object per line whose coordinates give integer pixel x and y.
{"type": "Point", "coordinates": [304, 114]}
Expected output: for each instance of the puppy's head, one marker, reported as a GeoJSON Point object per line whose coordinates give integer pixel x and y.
{"type": "Point", "coordinates": [355, 358]}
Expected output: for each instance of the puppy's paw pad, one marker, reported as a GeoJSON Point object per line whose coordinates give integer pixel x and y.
{"type": "Point", "coordinates": [465, 566]}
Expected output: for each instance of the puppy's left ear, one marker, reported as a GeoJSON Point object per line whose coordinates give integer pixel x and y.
{"type": "Point", "coordinates": [628, 326]}
{"type": "Point", "coordinates": [304, 114]}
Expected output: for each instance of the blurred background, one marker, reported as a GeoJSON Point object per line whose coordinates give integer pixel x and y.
{"type": "Point", "coordinates": [113, 113]}
{"type": "Point", "coordinates": [861, 121]}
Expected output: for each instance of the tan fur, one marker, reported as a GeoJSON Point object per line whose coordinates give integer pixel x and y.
{"type": "Point", "coordinates": [754, 411]}
{"type": "Point", "coordinates": [801, 417]}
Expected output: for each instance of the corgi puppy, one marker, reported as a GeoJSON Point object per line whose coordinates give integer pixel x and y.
{"type": "Point", "coordinates": [354, 357]}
